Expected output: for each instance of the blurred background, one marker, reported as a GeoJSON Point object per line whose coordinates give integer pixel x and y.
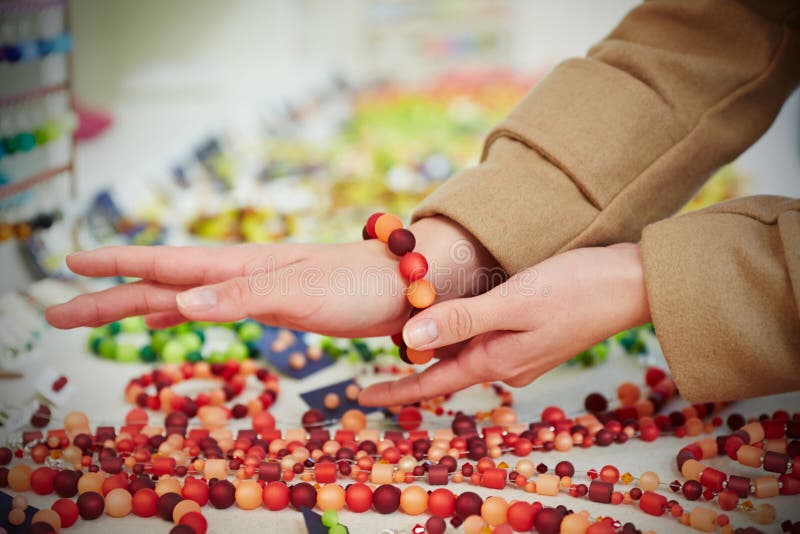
{"type": "Point", "coordinates": [256, 120]}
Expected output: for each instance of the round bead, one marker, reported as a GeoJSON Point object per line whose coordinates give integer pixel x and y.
{"type": "Point", "coordinates": [352, 391]}
{"type": "Point", "coordinates": [548, 521]}
{"type": "Point", "coordinates": [442, 502]}
{"type": "Point", "coordinates": [276, 496]}
{"type": "Point", "coordinates": [765, 514]}
{"type": "Point", "coordinates": [67, 510]}
{"type": "Point", "coordinates": [145, 502]}
{"type": "Point", "coordinates": [385, 225]}
{"type": "Point", "coordinates": [413, 266]}
{"type": "Point", "coordinates": [494, 510]}
{"type": "Point", "coordinates": [421, 294]}
{"type": "Point", "coordinates": [118, 502]}
{"type": "Point", "coordinates": [196, 520]}
{"type": "Point", "coordinates": [419, 357]}
{"type": "Point", "coordinates": [358, 497]}
{"type": "Point", "coordinates": [401, 241]}
{"type": "Point", "coordinates": [468, 503]}
{"type": "Point", "coordinates": [19, 478]}
{"type": "Point", "coordinates": [43, 480]}
{"type": "Point", "coordinates": [520, 516]}
{"type": "Point", "coordinates": [65, 483]}
{"type": "Point", "coordinates": [331, 401]}
{"type": "Point", "coordinates": [47, 516]}
{"type": "Point", "coordinates": [222, 494]}
{"type": "Point", "coordinates": [16, 517]}
{"type": "Point", "coordinates": [166, 504]}
{"type": "Point", "coordinates": [297, 361]}
{"type": "Point", "coordinates": [628, 393]}
{"type": "Point", "coordinates": [302, 495]}
{"type": "Point", "coordinates": [354, 420]}
{"type": "Point", "coordinates": [435, 525]}
{"type": "Point", "coordinates": [386, 499]}
{"type": "Point", "coordinates": [609, 474]}
{"type": "Point", "coordinates": [248, 495]}
{"type": "Point", "coordinates": [91, 505]}
{"type": "Point", "coordinates": [370, 226]}
{"type": "Point", "coordinates": [413, 500]}
{"type": "Point", "coordinates": [595, 403]}
{"type": "Point", "coordinates": [409, 418]}
{"type": "Point", "coordinates": [474, 524]}
{"type": "Point", "coordinates": [648, 481]}
{"type": "Point", "coordinates": [330, 497]}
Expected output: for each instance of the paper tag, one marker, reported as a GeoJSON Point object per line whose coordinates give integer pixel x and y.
{"type": "Point", "coordinates": [44, 386]}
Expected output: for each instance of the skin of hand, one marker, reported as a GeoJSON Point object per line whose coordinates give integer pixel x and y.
{"type": "Point", "coordinates": [348, 290]}
{"type": "Point", "coordinates": [518, 330]}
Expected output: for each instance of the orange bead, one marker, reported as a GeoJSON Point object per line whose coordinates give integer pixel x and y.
{"type": "Point", "coordinates": [168, 485]}
{"type": "Point", "coordinates": [386, 224]}
{"type": "Point", "coordinates": [52, 518]}
{"type": "Point", "coordinates": [414, 500]}
{"type": "Point", "coordinates": [421, 294]}
{"type": "Point", "coordinates": [19, 477]}
{"type": "Point", "coordinates": [354, 420]}
{"type": "Point", "coordinates": [118, 502]}
{"type": "Point", "coordinates": [89, 482]}
{"type": "Point", "coordinates": [494, 510]}
{"type": "Point", "coordinates": [419, 357]}
{"type": "Point", "coordinates": [184, 507]}
{"type": "Point", "coordinates": [248, 495]}
{"type": "Point", "coordinates": [628, 393]}
{"type": "Point", "coordinates": [330, 497]}
{"type": "Point", "coordinates": [504, 416]}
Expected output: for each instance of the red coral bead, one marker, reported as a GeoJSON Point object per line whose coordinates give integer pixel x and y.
{"type": "Point", "coordinates": [370, 226]}
{"type": "Point", "coordinates": [413, 266]}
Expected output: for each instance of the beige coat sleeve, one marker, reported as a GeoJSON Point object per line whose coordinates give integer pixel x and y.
{"type": "Point", "coordinates": [608, 144]}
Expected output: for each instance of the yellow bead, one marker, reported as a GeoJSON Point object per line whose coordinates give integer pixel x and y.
{"type": "Point", "coordinates": [626, 478]}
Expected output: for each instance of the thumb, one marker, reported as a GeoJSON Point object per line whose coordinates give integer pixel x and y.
{"type": "Point", "coordinates": [450, 322]}
{"type": "Point", "coordinates": [231, 300]}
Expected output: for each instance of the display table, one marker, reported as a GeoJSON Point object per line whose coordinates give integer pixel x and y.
{"type": "Point", "coordinates": [100, 384]}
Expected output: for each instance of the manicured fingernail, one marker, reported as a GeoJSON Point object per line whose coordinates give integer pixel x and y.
{"type": "Point", "coordinates": [420, 333]}
{"type": "Point", "coordinates": [197, 299]}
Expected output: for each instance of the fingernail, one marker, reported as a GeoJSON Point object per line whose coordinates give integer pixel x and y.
{"type": "Point", "coordinates": [420, 333]}
{"type": "Point", "coordinates": [197, 299]}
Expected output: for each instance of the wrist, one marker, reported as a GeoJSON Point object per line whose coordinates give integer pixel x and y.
{"type": "Point", "coordinates": [631, 277]}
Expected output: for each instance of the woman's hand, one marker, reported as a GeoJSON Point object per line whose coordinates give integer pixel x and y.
{"type": "Point", "coordinates": [517, 331]}
{"type": "Point", "coordinates": [347, 290]}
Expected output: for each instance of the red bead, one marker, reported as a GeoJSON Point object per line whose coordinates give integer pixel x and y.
{"type": "Point", "coordinates": [196, 521]}
{"type": "Point", "coordinates": [728, 500]}
{"type": "Point", "coordinates": [653, 376]}
{"type": "Point", "coordinates": [409, 418]}
{"type": "Point", "coordinates": [358, 497]}
{"type": "Point", "coordinates": [494, 478]}
{"type": "Point", "coordinates": [222, 494]}
{"type": "Point", "coordinates": [42, 480]}
{"type": "Point", "coordinates": [600, 491]}
{"type": "Point", "coordinates": [195, 490]}
{"type": "Point", "coordinates": [649, 432]}
{"type": "Point", "coordinates": [325, 473]}
{"type": "Point", "coordinates": [276, 496]}
{"type": "Point", "coordinates": [435, 525]}
{"type": "Point", "coordinates": [442, 502]}
{"type": "Point", "coordinates": [413, 266]}
{"type": "Point", "coordinates": [163, 465]}
{"type": "Point", "coordinates": [712, 479]}
{"type": "Point", "coordinates": [67, 510]}
{"type": "Point", "coordinates": [553, 414]}
{"type": "Point", "coordinates": [652, 503]}
{"type": "Point", "coordinates": [609, 474]}
{"type": "Point", "coordinates": [370, 226]}
{"type": "Point", "coordinates": [302, 495]}
{"type": "Point", "coordinates": [520, 516]}
{"type": "Point", "coordinates": [401, 241]}
{"type": "Point", "coordinates": [386, 499]}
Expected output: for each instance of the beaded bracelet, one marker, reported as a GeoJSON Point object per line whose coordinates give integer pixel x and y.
{"type": "Point", "coordinates": [413, 266]}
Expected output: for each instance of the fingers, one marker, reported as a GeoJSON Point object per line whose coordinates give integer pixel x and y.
{"type": "Point", "coordinates": [443, 377]}
{"type": "Point", "coordinates": [169, 265]}
{"type": "Point", "coordinates": [166, 319]}
{"type": "Point", "coordinates": [452, 321]}
{"type": "Point", "coordinates": [137, 298]}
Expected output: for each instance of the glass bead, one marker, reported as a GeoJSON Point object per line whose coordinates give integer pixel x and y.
{"type": "Point", "coordinates": [626, 478]}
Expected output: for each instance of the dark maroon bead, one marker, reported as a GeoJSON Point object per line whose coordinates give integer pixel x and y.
{"type": "Point", "coordinates": [735, 421]}
{"type": "Point", "coordinates": [418, 471]}
{"type": "Point", "coordinates": [541, 468]}
{"type": "Point", "coordinates": [83, 441]}
{"type": "Point", "coordinates": [239, 411]}
{"type": "Point", "coordinates": [369, 447]}
{"type": "Point", "coordinates": [5, 455]}
{"type": "Point", "coordinates": [385, 499]}
{"type": "Point", "coordinates": [793, 429]}
{"type": "Point", "coordinates": [739, 485]}
{"type": "Point", "coordinates": [548, 521]}
{"type": "Point", "coordinates": [463, 424]}
{"type": "Point", "coordinates": [401, 242]}
{"type": "Point", "coordinates": [111, 466]}
{"type": "Point", "coordinates": [41, 418]}
{"type": "Point", "coordinates": [604, 437]}
{"type": "Point", "coordinates": [636, 494]}
{"type": "Point", "coordinates": [303, 495]}
{"type": "Point", "coordinates": [467, 469]}
{"type": "Point", "coordinates": [683, 455]}
{"type": "Point", "coordinates": [91, 505]}
{"type": "Point", "coordinates": [435, 525]}
{"type": "Point", "coordinates": [677, 419]}
{"type": "Point", "coordinates": [313, 418]}
{"type": "Point", "coordinates": [40, 527]}
{"type": "Point", "coordinates": [438, 475]}
{"type": "Point", "coordinates": [140, 482]}
{"type": "Point", "coordinates": [692, 490]}
{"type": "Point", "coordinates": [365, 234]}
{"type": "Point", "coordinates": [166, 503]}
{"type": "Point", "coordinates": [675, 486]}
{"type": "Point", "coordinates": [66, 483]}
{"type": "Point", "coordinates": [793, 449]}
{"type": "Point", "coordinates": [581, 489]}
{"type": "Point", "coordinates": [600, 491]}
{"type": "Point", "coordinates": [565, 469]}
{"type": "Point", "coordinates": [595, 402]}
{"type": "Point", "coordinates": [4, 477]}
{"type": "Point", "coordinates": [222, 494]}
{"type": "Point", "coordinates": [775, 462]}
{"type": "Point", "coordinates": [467, 504]}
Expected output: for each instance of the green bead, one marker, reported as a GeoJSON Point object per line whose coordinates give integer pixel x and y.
{"type": "Point", "coordinates": [252, 349]}
{"type": "Point", "coordinates": [160, 338]}
{"type": "Point", "coordinates": [190, 340]}
{"type": "Point", "coordinates": [147, 354]}
{"type": "Point", "coordinates": [94, 344]}
{"type": "Point", "coordinates": [199, 333]}
{"type": "Point", "coordinates": [216, 357]}
{"type": "Point", "coordinates": [127, 353]}
{"type": "Point", "coordinates": [132, 325]}
{"type": "Point", "coordinates": [237, 351]}
{"type": "Point", "coordinates": [25, 141]}
{"type": "Point", "coordinates": [108, 348]}
{"type": "Point", "coordinates": [330, 518]}
{"type": "Point", "coordinates": [41, 136]}
{"type": "Point", "coordinates": [194, 356]}
{"type": "Point", "coordinates": [250, 331]}
{"type": "Point", "coordinates": [337, 529]}
{"type": "Point", "coordinates": [9, 146]}
{"type": "Point", "coordinates": [363, 350]}
{"type": "Point", "coordinates": [182, 328]}
{"type": "Point", "coordinates": [174, 352]}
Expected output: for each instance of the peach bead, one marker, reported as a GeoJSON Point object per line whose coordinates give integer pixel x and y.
{"type": "Point", "coordinates": [382, 474]}
{"type": "Point", "coordinates": [45, 515]}
{"type": "Point", "coordinates": [775, 445]}
{"type": "Point", "coordinates": [566, 482]}
{"type": "Point", "coordinates": [75, 420]}
{"type": "Point", "coordinates": [546, 434]}
{"type": "Point", "coordinates": [563, 442]}
{"type": "Point", "coordinates": [184, 507]}
{"type": "Point", "coordinates": [420, 293]}
{"type": "Point", "coordinates": [72, 454]}
{"type": "Point", "coordinates": [91, 482]}
{"type": "Point", "coordinates": [19, 477]}
{"type": "Point", "coordinates": [276, 445]}
{"type": "Point", "coordinates": [574, 524]}
{"type": "Point", "coordinates": [385, 225]}
{"type": "Point", "coordinates": [399, 476]}
{"type": "Point", "coordinates": [354, 420]}
{"type": "Point", "coordinates": [16, 516]}
{"type": "Point", "coordinates": [703, 519]}
{"type": "Point", "coordinates": [526, 468]}
{"type": "Point", "coordinates": [494, 510]}
{"type": "Point", "coordinates": [547, 484]}
{"type": "Point", "coordinates": [215, 468]}
{"type": "Point", "coordinates": [755, 430]}
{"type": "Point", "coordinates": [648, 481]}
{"type": "Point", "coordinates": [248, 495]}
{"type": "Point", "coordinates": [709, 447]}
{"type": "Point", "coordinates": [765, 514]}
{"type": "Point", "coordinates": [474, 524]}
{"type": "Point", "coordinates": [766, 487]}
{"type": "Point", "coordinates": [414, 500]}
{"type": "Point", "coordinates": [504, 416]}
{"type": "Point", "coordinates": [691, 469]}
{"type": "Point", "coordinates": [407, 463]}
{"type": "Point", "coordinates": [694, 427]}
{"type": "Point", "coordinates": [628, 393]}
{"type": "Point", "coordinates": [330, 497]}
{"type": "Point", "coordinates": [168, 485]}
{"type": "Point", "coordinates": [644, 408]}
{"type": "Point", "coordinates": [419, 357]}
{"type": "Point", "coordinates": [118, 502]}
{"type": "Point", "coordinates": [749, 456]}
